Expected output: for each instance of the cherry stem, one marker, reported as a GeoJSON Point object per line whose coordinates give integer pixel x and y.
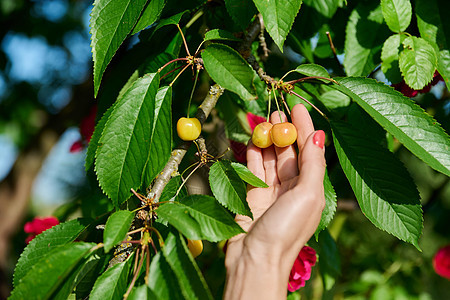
{"type": "Point", "coordinates": [147, 262]}
{"type": "Point", "coordinates": [131, 242]}
{"type": "Point", "coordinates": [136, 259]}
{"type": "Point", "coordinates": [178, 75]}
{"type": "Point", "coordinates": [268, 109]}
{"type": "Point", "coordinates": [192, 93]}
{"type": "Point", "coordinates": [172, 61]}
{"type": "Point", "coordinates": [160, 238]}
{"type": "Point", "coordinates": [276, 102]}
{"type": "Point", "coordinates": [285, 104]}
{"type": "Point", "coordinates": [127, 293]}
{"type": "Point", "coordinates": [313, 106]}
{"type": "Point", "coordinates": [171, 71]}
{"type": "Point", "coordinates": [184, 40]}
{"type": "Point", "coordinates": [184, 181]}
{"type": "Point", "coordinates": [135, 231]}
{"type": "Point", "coordinates": [312, 77]}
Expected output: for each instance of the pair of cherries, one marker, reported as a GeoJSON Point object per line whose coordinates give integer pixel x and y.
{"type": "Point", "coordinates": [281, 135]}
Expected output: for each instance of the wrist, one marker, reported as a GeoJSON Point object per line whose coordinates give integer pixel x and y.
{"type": "Point", "coordinates": [253, 277]}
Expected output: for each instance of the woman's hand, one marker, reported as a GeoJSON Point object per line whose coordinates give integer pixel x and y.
{"type": "Point", "coordinates": [285, 215]}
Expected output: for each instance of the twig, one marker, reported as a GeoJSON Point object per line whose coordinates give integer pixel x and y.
{"type": "Point", "coordinates": [262, 40]}
{"type": "Point", "coordinates": [333, 49]}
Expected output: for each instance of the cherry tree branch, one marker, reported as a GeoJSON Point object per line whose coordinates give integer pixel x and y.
{"type": "Point", "coordinates": [177, 155]}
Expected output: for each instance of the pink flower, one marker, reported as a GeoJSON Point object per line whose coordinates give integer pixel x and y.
{"type": "Point", "coordinates": [239, 151]}
{"type": "Point", "coordinates": [87, 125]}
{"type": "Point", "coordinates": [301, 270]}
{"type": "Point", "coordinates": [39, 225]}
{"type": "Point", "coordinates": [76, 146]}
{"type": "Point", "coordinates": [254, 120]}
{"type": "Point", "coordinates": [403, 88]}
{"type": "Point", "coordinates": [441, 262]}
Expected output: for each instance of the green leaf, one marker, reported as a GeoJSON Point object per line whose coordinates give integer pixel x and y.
{"type": "Point", "coordinates": [417, 62]}
{"type": "Point", "coordinates": [397, 14]}
{"type": "Point", "coordinates": [163, 281]}
{"type": "Point", "coordinates": [365, 35]}
{"type": "Point", "coordinates": [333, 100]}
{"type": "Point", "coordinates": [111, 22]}
{"type": "Point", "coordinates": [42, 245]}
{"type": "Point", "coordinates": [173, 20]}
{"type": "Point", "coordinates": [200, 217]}
{"type": "Point", "coordinates": [190, 279]}
{"type": "Point", "coordinates": [123, 147]}
{"type": "Point", "coordinates": [384, 189]}
{"type": "Point", "coordinates": [228, 188]}
{"type": "Point", "coordinates": [161, 136]}
{"type": "Point", "coordinates": [329, 262]}
{"type": "Point", "coordinates": [90, 275]}
{"type": "Point", "coordinates": [141, 293]}
{"type": "Point", "coordinates": [389, 57]}
{"type": "Point", "coordinates": [220, 34]}
{"type": "Point", "coordinates": [278, 17]}
{"type": "Point", "coordinates": [326, 8]}
{"type": "Point", "coordinates": [431, 16]}
{"type": "Point", "coordinates": [312, 70]}
{"type": "Point", "coordinates": [408, 122]}
{"type": "Point", "coordinates": [235, 118]}
{"type": "Point", "coordinates": [171, 189]}
{"type": "Point", "coordinates": [227, 68]}
{"type": "Point", "coordinates": [330, 205]}
{"type": "Point", "coordinates": [47, 274]}
{"type": "Point", "coordinates": [150, 15]}
{"type": "Point", "coordinates": [113, 283]}
{"type": "Point", "coordinates": [116, 228]}
{"type": "Point", "coordinates": [241, 11]}
{"type": "Point", "coordinates": [75, 277]}
{"type": "Point", "coordinates": [246, 175]}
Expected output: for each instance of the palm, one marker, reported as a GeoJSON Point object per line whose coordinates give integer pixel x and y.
{"type": "Point", "coordinates": [289, 210]}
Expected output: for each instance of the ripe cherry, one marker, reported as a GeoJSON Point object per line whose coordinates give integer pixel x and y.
{"type": "Point", "coordinates": [261, 135]}
{"type": "Point", "coordinates": [195, 247]}
{"type": "Point", "coordinates": [189, 129]}
{"type": "Point", "coordinates": [283, 134]}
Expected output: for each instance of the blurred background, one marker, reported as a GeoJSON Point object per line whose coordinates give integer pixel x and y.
{"type": "Point", "coordinates": [46, 97]}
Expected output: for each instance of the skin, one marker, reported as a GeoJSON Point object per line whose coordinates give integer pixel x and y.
{"type": "Point", "coordinates": [286, 214]}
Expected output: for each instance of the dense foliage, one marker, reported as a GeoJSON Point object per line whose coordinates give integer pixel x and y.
{"type": "Point", "coordinates": [138, 215]}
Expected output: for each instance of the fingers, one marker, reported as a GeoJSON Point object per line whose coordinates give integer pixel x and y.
{"type": "Point", "coordinates": [313, 162]}
{"type": "Point", "coordinates": [270, 166]}
{"type": "Point", "coordinates": [255, 161]}
{"type": "Point", "coordinates": [286, 156]}
{"type": "Point", "coordinates": [262, 163]}
{"type": "Point", "coordinates": [303, 123]}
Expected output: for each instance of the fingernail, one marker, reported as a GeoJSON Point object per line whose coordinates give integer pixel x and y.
{"type": "Point", "coordinates": [319, 138]}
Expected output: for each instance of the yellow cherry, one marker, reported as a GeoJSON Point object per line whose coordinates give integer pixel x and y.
{"type": "Point", "coordinates": [261, 135]}
{"type": "Point", "coordinates": [195, 247]}
{"type": "Point", "coordinates": [283, 134]}
{"type": "Point", "coordinates": [189, 129]}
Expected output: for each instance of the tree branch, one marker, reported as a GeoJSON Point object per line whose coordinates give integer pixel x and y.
{"type": "Point", "coordinates": [177, 155]}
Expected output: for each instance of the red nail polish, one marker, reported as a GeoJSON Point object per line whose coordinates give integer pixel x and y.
{"type": "Point", "coordinates": [319, 138]}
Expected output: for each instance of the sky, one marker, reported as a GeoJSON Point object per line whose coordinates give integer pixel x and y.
{"type": "Point", "coordinates": [54, 70]}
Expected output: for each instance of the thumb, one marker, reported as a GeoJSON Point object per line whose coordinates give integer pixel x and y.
{"type": "Point", "coordinates": [312, 161]}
